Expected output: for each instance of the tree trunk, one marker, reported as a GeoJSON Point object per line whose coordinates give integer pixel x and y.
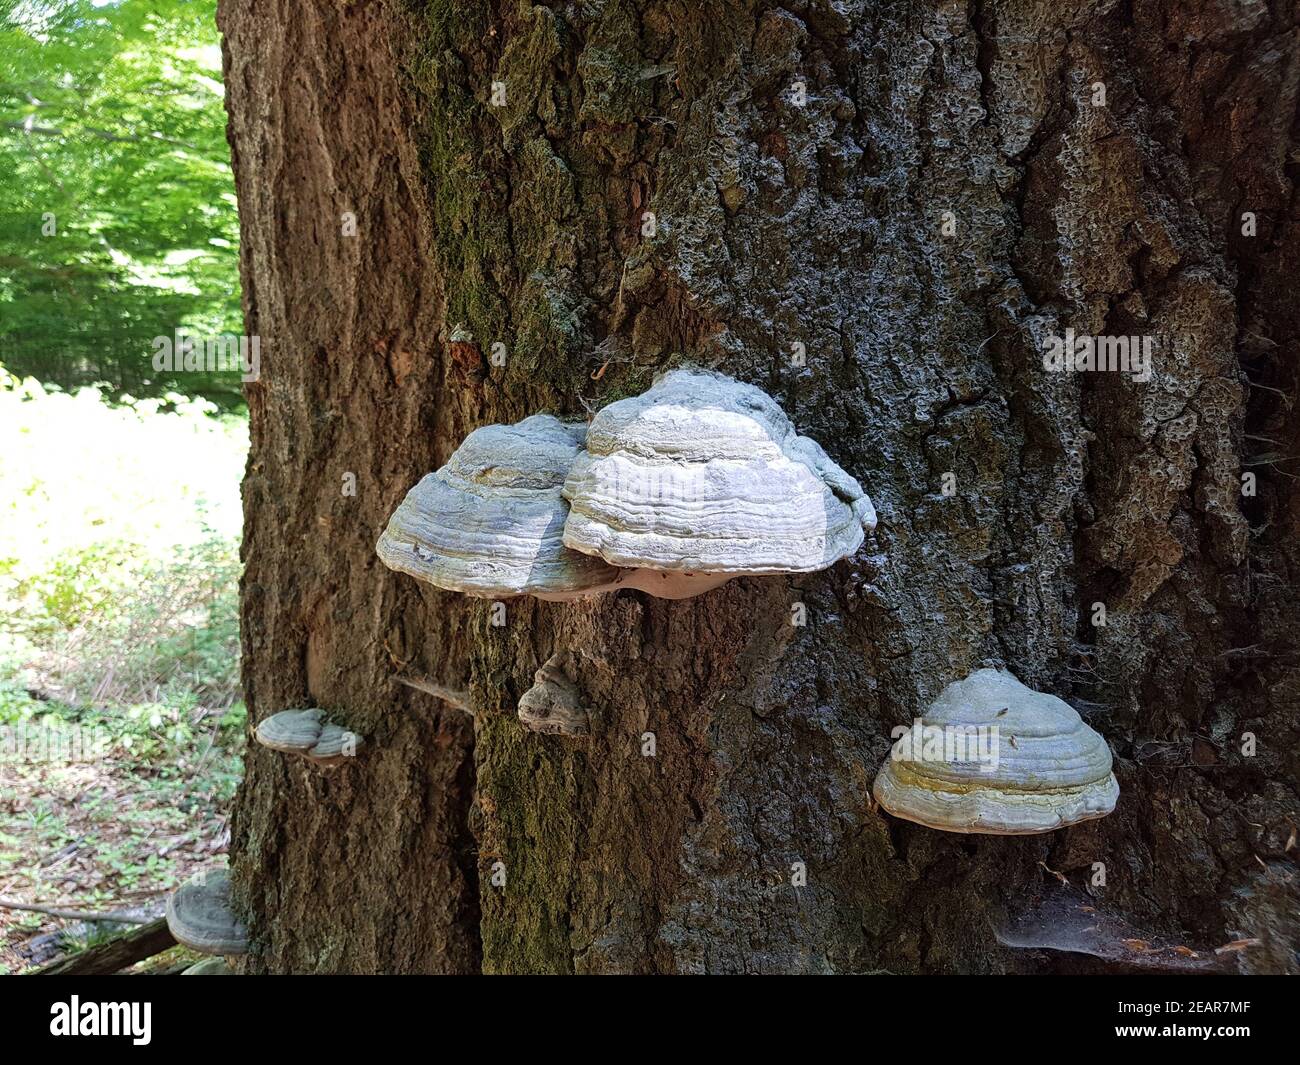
{"type": "Point", "coordinates": [914, 194]}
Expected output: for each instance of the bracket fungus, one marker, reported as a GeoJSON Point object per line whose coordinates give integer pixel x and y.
{"type": "Point", "coordinates": [490, 522]}
{"type": "Point", "coordinates": [698, 480]}
{"type": "Point", "coordinates": [303, 732]}
{"type": "Point", "coordinates": [553, 705]}
{"type": "Point", "coordinates": [993, 756]}
{"type": "Point", "coordinates": [703, 478]}
{"type": "Point", "coordinates": [199, 916]}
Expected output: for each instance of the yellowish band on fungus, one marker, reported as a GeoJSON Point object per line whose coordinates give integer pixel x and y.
{"type": "Point", "coordinates": [1051, 771]}
{"type": "Point", "coordinates": [907, 775]}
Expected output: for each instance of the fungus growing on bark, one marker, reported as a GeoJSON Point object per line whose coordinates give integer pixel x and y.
{"type": "Point", "coordinates": [553, 705]}
{"type": "Point", "coordinates": [993, 756]}
{"type": "Point", "coordinates": [304, 733]}
{"type": "Point", "coordinates": [701, 479]}
{"type": "Point", "coordinates": [490, 522]}
{"type": "Point", "coordinates": [199, 915]}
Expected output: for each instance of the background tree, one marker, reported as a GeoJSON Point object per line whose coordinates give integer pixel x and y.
{"type": "Point", "coordinates": [117, 219]}
{"type": "Point", "coordinates": [917, 193]}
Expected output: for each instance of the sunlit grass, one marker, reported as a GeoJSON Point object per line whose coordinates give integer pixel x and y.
{"type": "Point", "coordinates": [119, 529]}
{"type": "Point", "coordinates": [119, 537]}
{"type": "Point", "coordinates": [78, 471]}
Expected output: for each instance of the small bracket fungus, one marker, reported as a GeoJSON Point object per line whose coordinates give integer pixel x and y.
{"type": "Point", "coordinates": [199, 916]}
{"type": "Point", "coordinates": [302, 732]}
{"type": "Point", "coordinates": [701, 479]}
{"type": "Point", "coordinates": [993, 756]}
{"type": "Point", "coordinates": [553, 705]}
{"type": "Point", "coordinates": [490, 522]}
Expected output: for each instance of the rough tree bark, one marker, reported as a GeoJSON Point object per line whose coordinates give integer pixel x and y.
{"type": "Point", "coordinates": [949, 190]}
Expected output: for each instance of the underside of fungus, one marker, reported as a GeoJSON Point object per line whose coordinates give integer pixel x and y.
{"type": "Point", "coordinates": [993, 756]}
{"type": "Point", "coordinates": [701, 479]}
{"type": "Point", "coordinates": [490, 522]}
{"type": "Point", "coordinates": [304, 733]}
{"type": "Point", "coordinates": [199, 916]}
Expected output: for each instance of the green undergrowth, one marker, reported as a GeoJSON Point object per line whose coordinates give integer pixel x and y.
{"type": "Point", "coordinates": [121, 718]}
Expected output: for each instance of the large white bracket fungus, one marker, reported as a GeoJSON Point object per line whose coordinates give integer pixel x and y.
{"type": "Point", "coordinates": [993, 756]}
{"type": "Point", "coordinates": [701, 479]}
{"type": "Point", "coordinates": [304, 733]}
{"type": "Point", "coordinates": [698, 480]}
{"type": "Point", "coordinates": [199, 916]}
{"type": "Point", "coordinates": [490, 522]}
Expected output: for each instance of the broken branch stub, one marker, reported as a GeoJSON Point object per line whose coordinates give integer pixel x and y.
{"type": "Point", "coordinates": [452, 696]}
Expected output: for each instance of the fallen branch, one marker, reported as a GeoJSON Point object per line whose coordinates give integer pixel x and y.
{"type": "Point", "coordinates": [114, 955]}
{"type": "Point", "coordinates": [71, 915]}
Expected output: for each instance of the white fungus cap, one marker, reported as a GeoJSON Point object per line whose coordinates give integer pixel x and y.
{"type": "Point", "coordinates": [199, 915]}
{"type": "Point", "coordinates": [303, 732]}
{"type": "Point", "coordinates": [1038, 768]}
{"type": "Point", "coordinates": [490, 522]}
{"type": "Point", "coordinates": [704, 476]}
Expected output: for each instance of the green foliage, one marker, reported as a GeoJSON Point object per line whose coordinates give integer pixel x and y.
{"type": "Point", "coordinates": [119, 557]}
{"type": "Point", "coordinates": [119, 523]}
{"type": "Point", "coordinates": [163, 742]}
{"type": "Point", "coordinates": [119, 545]}
{"type": "Point", "coordinates": [112, 134]}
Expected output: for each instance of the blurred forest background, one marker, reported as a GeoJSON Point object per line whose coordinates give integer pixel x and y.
{"type": "Point", "coordinates": [119, 493]}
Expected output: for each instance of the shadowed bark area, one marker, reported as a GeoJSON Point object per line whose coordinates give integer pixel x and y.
{"type": "Point", "coordinates": [368, 867]}
{"type": "Point", "coordinates": [916, 195]}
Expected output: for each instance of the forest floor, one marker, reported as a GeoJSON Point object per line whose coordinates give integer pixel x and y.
{"type": "Point", "coordinates": [113, 833]}
{"type": "Point", "coordinates": [121, 723]}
